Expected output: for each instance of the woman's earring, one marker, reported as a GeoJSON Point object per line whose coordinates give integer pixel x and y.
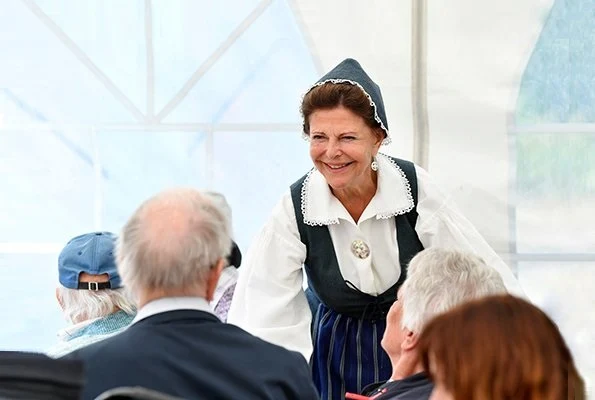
{"type": "Point", "coordinates": [374, 164]}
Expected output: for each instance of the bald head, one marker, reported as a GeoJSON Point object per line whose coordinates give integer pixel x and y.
{"type": "Point", "coordinates": [172, 241]}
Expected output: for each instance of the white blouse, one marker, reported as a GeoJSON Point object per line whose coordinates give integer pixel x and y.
{"type": "Point", "coordinates": [269, 300]}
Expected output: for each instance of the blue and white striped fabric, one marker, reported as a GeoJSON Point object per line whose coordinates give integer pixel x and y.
{"type": "Point", "coordinates": [347, 354]}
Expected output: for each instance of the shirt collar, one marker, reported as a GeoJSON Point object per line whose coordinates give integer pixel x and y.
{"type": "Point", "coordinates": [171, 304]}
{"type": "Point", "coordinates": [393, 196]}
{"type": "Point", "coordinates": [70, 331]}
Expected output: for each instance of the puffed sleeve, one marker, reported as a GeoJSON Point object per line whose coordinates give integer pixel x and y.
{"type": "Point", "coordinates": [440, 224]}
{"type": "Point", "coordinates": [269, 299]}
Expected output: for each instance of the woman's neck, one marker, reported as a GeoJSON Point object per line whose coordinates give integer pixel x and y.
{"type": "Point", "coordinates": [355, 200]}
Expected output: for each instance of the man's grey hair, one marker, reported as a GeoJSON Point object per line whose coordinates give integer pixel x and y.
{"type": "Point", "coordinates": [171, 241]}
{"type": "Point", "coordinates": [440, 279]}
{"type": "Point", "coordinates": [81, 305]}
{"type": "Point", "coordinates": [220, 201]}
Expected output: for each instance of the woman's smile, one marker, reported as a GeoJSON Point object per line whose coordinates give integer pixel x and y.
{"type": "Point", "coordinates": [335, 167]}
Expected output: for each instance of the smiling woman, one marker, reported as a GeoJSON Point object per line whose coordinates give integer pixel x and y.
{"type": "Point", "coordinates": [342, 147]}
{"type": "Point", "coordinates": [352, 223]}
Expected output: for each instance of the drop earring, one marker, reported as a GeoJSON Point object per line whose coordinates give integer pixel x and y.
{"type": "Point", "coordinates": [374, 164]}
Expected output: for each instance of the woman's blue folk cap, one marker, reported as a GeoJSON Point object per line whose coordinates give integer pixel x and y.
{"type": "Point", "coordinates": [350, 71]}
{"type": "Point", "coordinates": [92, 253]}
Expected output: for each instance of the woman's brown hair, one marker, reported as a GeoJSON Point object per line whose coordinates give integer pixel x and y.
{"type": "Point", "coordinates": [330, 95]}
{"type": "Point", "coordinates": [500, 348]}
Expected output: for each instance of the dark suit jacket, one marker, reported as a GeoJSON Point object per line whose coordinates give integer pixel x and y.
{"type": "Point", "coordinates": [193, 355]}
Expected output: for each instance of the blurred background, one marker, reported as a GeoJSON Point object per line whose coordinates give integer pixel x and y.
{"type": "Point", "coordinates": [104, 103]}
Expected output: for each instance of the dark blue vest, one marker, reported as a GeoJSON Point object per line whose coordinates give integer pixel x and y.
{"type": "Point", "coordinates": [322, 267]}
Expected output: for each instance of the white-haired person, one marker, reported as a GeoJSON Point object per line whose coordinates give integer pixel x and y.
{"type": "Point", "coordinates": [438, 280]}
{"type": "Point", "coordinates": [90, 293]}
{"type": "Point", "coordinates": [170, 254]}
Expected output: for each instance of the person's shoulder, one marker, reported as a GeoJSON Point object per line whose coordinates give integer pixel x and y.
{"type": "Point", "coordinates": [285, 373]}
{"type": "Point", "coordinates": [297, 185]}
{"type": "Point", "coordinates": [251, 343]}
{"type": "Point", "coordinates": [59, 349]}
{"type": "Point", "coordinates": [409, 167]}
{"type": "Point", "coordinates": [284, 360]}
{"type": "Point", "coordinates": [278, 364]}
{"type": "Point", "coordinates": [100, 346]}
{"type": "Point", "coordinates": [290, 358]}
{"type": "Point", "coordinates": [297, 374]}
{"type": "Point", "coordinates": [70, 346]}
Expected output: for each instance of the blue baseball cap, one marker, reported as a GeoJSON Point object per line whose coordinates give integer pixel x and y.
{"type": "Point", "coordinates": [92, 253]}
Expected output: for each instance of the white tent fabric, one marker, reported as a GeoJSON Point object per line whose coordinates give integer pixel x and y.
{"type": "Point", "coordinates": [477, 53]}
{"type": "Point", "coordinates": [102, 105]}
{"type": "Point", "coordinates": [471, 93]}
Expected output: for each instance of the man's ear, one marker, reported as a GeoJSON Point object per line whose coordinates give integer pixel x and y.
{"type": "Point", "coordinates": [59, 298]}
{"type": "Point", "coordinates": [213, 279]}
{"type": "Point", "coordinates": [411, 340]}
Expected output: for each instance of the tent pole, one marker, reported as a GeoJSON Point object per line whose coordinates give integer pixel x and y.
{"type": "Point", "coordinates": [419, 90]}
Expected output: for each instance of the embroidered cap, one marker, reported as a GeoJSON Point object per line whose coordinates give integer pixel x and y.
{"type": "Point", "coordinates": [350, 71]}
{"type": "Point", "coordinates": [92, 253]}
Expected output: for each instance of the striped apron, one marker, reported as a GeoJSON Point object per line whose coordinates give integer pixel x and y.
{"type": "Point", "coordinates": [347, 353]}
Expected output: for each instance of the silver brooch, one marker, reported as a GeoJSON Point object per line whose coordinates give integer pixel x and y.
{"type": "Point", "coordinates": [360, 249]}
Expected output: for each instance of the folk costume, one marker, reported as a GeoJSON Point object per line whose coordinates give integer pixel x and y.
{"type": "Point", "coordinates": [353, 268]}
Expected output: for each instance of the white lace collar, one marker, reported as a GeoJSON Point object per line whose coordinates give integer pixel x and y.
{"type": "Point", "coordinates": [393, 196]}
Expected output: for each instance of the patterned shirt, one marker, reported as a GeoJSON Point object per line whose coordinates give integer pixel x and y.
{"type": "Point", "coordinates": [224, 303]}
{"type": "Point", "coordinates": [95, 331]}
